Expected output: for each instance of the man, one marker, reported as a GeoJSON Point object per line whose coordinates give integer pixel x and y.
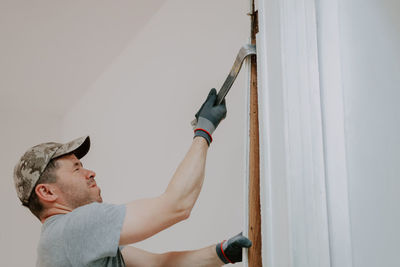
{"type": "Point", "coordinates": [79, 230]}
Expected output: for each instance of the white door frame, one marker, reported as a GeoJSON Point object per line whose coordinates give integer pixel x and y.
{"type": "Point", "coordinates": [332, 97]}
{"type": "Point", "coordinates": [305, 210]}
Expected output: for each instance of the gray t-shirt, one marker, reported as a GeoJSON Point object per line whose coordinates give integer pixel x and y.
{"type": "Point", "coordinates": [88, 236]}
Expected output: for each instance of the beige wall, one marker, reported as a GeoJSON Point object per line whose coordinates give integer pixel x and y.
{"type": "Point", "coordinates": [19, 229]}
{"type": "Point", "coordinates": [138, 115]}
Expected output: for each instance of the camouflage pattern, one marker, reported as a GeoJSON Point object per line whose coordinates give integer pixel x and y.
{"type": "Point", "coordinates": [33, 163]}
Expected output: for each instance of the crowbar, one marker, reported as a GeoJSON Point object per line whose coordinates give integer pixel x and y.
{"type": "Point", "coordinates": [244, 52]}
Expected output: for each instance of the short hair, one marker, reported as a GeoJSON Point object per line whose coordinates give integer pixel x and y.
{"type": "Point", "coordinates": [48, 177]}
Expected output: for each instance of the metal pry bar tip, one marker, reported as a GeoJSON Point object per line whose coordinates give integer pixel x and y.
{"type": "Point", "coordinates": [244, 52]}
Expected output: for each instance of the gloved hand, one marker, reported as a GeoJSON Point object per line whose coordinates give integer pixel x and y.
{"type": "Point", "coordinates": [231, 251]}
{"type": "Point", "coordinates": [209, 116]}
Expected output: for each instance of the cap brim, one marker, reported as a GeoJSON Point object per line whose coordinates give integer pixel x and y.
{"type": "Point", "coordinates": [79, 147]}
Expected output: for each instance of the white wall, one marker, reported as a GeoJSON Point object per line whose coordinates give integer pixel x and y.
{"type": "Point", "coordinates": [370, 42]}
{"type": "Point", "coordinates": [20, 230]}
{"type": "Point", "coordinates": [138, 115]}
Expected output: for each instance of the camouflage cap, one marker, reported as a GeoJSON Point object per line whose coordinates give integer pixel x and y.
{"type": "Point", "coordinates": [33, 163]}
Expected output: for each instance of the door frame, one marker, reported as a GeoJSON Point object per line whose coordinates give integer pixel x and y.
{"type": "Point", "coordinates": [303, 172]}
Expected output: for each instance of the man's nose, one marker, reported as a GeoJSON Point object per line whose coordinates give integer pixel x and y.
{"type": "Point", "coordinates": [90, 174]}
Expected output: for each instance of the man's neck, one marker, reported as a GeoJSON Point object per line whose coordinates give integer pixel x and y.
{"type": "Point", "coordinates": [54, 210]}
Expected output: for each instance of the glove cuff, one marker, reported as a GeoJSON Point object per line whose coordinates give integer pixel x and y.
{"type": "Point", "coordinates": [205, 124]}
{"type": "Point", "coordinates": [203, 133]}
{"type": "Point", "coordinates": [221, 253]}
{"type": "Point", "coordinates": [204, 128]}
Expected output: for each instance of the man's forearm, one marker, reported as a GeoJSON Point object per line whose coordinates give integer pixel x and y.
{"type": "Point", "coordinates": [205, 257]}
{"type": "Point", "coordinates": [186, 183]}
{"type": "Point", "coordinates": [228, 251]}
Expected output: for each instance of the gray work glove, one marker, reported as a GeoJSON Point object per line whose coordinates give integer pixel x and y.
{"type": "Point", "coordinates": [209, 116]}
{"type": "Point", "coordinates": [231, 251]}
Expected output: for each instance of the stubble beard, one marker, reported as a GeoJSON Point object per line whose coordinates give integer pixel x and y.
{"type": "Point", "coordinates": [78, 199]}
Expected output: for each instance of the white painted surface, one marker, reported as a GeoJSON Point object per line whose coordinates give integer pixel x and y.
{"type": "Point", "coordinates": [359, 75]}
{"type": "Point", "coordinates": [275, 226]}
{"type": "Point", "coordinates": [332, 103]}
{"type": "Point", "coordinates": [295, 222]}
{"type": "Point", "coordinates": [370, 41]}
{"type": "Point", "coordinates": [246, 173]}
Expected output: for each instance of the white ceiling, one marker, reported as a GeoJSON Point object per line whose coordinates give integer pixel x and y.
{"type": "Point", "coordinates": [51, 51]}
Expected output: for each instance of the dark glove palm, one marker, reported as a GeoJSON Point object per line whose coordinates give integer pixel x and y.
{"type": "Point", "coordinates": [210, 111]}
{"type": "Point", "coordinates": [209, 116]}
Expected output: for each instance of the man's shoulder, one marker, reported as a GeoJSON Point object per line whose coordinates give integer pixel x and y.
{"type": "Point", "coordinates": [88, 207]}
{"type": "Point", "coordinates": [93, 212]}
{"type": "Point", "coordinates": [94, 207]}
{"type": "Point", "coordinates": [82, 210]}
{"type": "Point", "coordinates": [81, 237]}
{"type": "Point", "coordinates": [83, 215]}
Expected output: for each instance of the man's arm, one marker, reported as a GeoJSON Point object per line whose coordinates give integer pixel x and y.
{"type": "Point", "coordinates": [205, 257]}
{"type": "Point", "coordinates": [229, 251]}
{"type": "Point", "coordinates": [147, 217]}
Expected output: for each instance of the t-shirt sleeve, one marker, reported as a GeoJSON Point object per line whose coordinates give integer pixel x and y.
{"type": "Point", "coordinates": [93, 231]}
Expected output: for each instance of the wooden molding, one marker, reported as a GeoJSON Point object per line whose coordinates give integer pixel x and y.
{"type": "Point", "coordinates": [254, 253]}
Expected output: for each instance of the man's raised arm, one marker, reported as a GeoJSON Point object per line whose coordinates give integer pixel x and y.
{"type": "Point", "coordinates": [147, 217]}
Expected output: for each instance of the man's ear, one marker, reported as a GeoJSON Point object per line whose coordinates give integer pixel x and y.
{"type": "Point", "coordinates": [46, 192]}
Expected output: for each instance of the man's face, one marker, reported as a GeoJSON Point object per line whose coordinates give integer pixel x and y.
{"type": "Point", "coordinates": [76, 184]}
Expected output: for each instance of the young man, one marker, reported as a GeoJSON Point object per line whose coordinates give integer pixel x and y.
{"type": "Point", "coordinates": [79, 230]}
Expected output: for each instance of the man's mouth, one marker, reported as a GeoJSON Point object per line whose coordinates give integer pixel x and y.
{"type": "Point", "coordinates": [92, 184]}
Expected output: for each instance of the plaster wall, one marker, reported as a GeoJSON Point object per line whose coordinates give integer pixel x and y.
{"type": "Point", "coordinates": [138, 115]}
{"type": "Point", "coordinates": [20, 230]}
